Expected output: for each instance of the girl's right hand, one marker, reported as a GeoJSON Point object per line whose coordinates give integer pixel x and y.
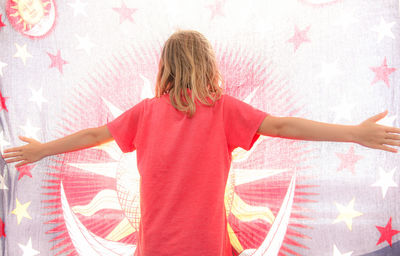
{"type": "Point", "coordinates": [29, 153]}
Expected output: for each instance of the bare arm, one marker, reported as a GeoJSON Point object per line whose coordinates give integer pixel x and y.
{"type": "Point", "coordinates": [368, 133]}
{"type": "Point", "coordinates": [34, 151]}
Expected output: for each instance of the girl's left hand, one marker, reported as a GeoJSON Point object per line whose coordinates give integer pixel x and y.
{"type": "Point", "coordinates": [373, 135]}
{"type": "Point", "coordinates": [29, 153]}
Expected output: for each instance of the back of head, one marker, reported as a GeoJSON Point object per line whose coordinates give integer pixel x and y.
{"type": "Point", "coordinates": [188, 71]}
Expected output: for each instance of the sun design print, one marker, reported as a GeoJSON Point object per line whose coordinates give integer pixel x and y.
{"type": "Point", "coordinates": [33, 18]}
{"type": "Point", "coordinates": [95, 192]}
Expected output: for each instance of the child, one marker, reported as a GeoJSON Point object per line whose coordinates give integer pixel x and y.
{"type": "Point", "coordinates": [184, 138]}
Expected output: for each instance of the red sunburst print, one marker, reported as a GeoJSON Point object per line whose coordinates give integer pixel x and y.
{"type": "Point", "coordinates": [95, 191]}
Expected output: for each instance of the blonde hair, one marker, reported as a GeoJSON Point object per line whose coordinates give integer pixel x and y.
{"type": "Point", "coordinates": [188, 62]}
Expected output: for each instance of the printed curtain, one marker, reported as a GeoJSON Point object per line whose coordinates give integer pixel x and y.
{"type": "Point", "coordinates": [75, 64]}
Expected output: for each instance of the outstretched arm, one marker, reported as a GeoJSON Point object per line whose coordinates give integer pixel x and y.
{"type": "Point", "coordinates": [34, 151]}
{"type": "Point", "coordinates": [368, 133]}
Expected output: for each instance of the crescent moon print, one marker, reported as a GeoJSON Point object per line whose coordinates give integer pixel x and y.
{"type": "Point", "coordinates": [32, 18]}
{"type": "Point", "coordinates": [96, 203]}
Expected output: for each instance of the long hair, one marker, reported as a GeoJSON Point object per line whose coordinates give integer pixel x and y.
{"type": "Point", "coordinates": [188, 71]}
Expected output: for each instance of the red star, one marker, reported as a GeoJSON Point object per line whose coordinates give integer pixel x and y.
{"type": "Point", "coordinates": [382, 73]}
{"type": "Point", "coordinates": [387, 233]}
{"type": "Point", "coordinates": [216, 9]}
{"type": "Point", "coordinates": [1, 23]}
{"type": "Point", "coordinates": [125, 13]}
{"type": "Point", "coordinates": [3, 102]}
{"type": "Point", "coordinates": [299, 37]}
{"type": "Point", "coordinates": [24, 170]}
{"type": "Point", "coordinates": [348, 160]}
{"type": "Point", "coordinates": [57, 61]}
{"type": "Point", "coordinates": [2, 226]}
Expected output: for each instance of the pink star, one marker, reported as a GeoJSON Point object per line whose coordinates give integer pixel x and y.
{"type": "Point", "coordinates": [348, 160]}
{"type": "Point", "coordinates": [2, 227]}
{"type": "Point", "coordinates": [387, 233]}
{"type": "Point", "coordinates": [24, 170]}
{"type": "Point", "coordinates": [3, 102]}
{"type": "Point", "coordinates": [125, 13]}
{"type": "Point", "coordinates": [216, 8]}
{"type": "Point", "coordinates": [1, 23]}
{"type": "Point", "coordinates": [382, 73]}
{"type": "Point", "coordinates": [57, 61]}
{"type": "Point", "coordinates": [299, 37]}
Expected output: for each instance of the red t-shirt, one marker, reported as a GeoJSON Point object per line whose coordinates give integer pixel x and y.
{"type": "Point", "coordinates": [184, 164]}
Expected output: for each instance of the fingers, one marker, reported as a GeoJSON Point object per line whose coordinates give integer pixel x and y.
{"type": "Point", "coordinates": [378, 117]}
{"type": "Point", "coordinates": [392, 129]}
{"type": "Point", "coordinates": [392, 136]}
{"type": "Point", "coordinates": [386, 148]}
{"type": "Point", "coordinates": [14, 159]}
{"type": "Point", "coordinates": [11, 155]}
{"type": "Point", "coordinates": [22, 163]}
{"type": "Point", "coordinates": [12, 149]}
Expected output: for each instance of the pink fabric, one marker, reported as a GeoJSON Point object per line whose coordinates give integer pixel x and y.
{"type": "Point", "coordinates": [184, 164]}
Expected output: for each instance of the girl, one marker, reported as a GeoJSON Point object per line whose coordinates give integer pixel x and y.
{"type": "Point", "coordinates": [184, 138]}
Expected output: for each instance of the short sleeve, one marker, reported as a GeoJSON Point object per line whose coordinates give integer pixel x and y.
{"type": "Point", "coordinates": [124, 128]}
{"type": "Point", "coordinates": [241, 122]}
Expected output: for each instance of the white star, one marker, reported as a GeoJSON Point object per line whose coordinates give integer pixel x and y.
{"type": "Point", "coordinates": [37, 97]}
{"type": "Point", "coordinates": [345, 19]}
{"type": "Point", "coordinates": [28, 250]}
{"type": "Point", "coordinates": [328, 71]}
{"type": "Point", "coordinates": [78, 8]}
{"type": "Point", "coordinates": [84, 43]}
{"type": "Point", "coordinates": [385, 180]}
{"type": "Point", "coordinates": [384, 29]}
{"type": "Point", "coordinates": [347, 213]}
{"type": "Point", "coordinates": [22, 53]}
{"type": "Point", "coordinates": [336, 252]}
{"type": "Point", "coordinates": [2, 65]}
{"type": "Point", "coordinates": [3, 142]}
{"type": "Point", "coordinates": [30, 131]}
{"type": "Point", "coordinates": [343, 110]}
{"type": "Point", "coordinates": [2, 183]}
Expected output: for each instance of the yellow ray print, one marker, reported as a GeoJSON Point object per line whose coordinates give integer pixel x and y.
{"type": "Point", "coordinates": [122, 230]}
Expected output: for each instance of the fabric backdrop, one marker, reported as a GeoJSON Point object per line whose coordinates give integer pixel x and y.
{"type": "Point", "coordinates": [75, 64]}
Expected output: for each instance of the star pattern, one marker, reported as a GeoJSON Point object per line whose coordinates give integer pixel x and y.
{"type": "Point", "coordinates": [84, 43]}
{"type": "Point", "coordinates": [29, 130]}
{"type": "Point", "coordinates": [37, 96]}
{"type": "Point", "coordinates": [2, 229]}
{"type": "Point", "coordinates": [79, 8]}
{"type": "Point", "coordinates": [299, 37]}
{"type": "Point", "coordinates": [348, 160]}
{"type": "Point", "coordinates": [2, 65]}
{"type": "Point", "coordinates": [27, 249]}
{"type": "Point", "coordinates": [382, 73]}
{"type": "Point", "coordinates": [3, 102]}
{"type": "Point", "coordinates": [21, 211]}
{"type": "Point", "coordinates": [387, 233]}
{"type": "Point", "coordinates": [24, 170]}
{"type": "Point", "coordinates": [384, 29]}
{"type": "Point", "coordinates": [347, 213]}
{"type": "Point", "coordinates": [385, 180]}
{"type": "Point", "coordinates": [2, 183]}
{"type": "Point", "coordinates": [216, 8]}
{"type": "Point", "coordinates": [1, 22]}
{"type": "Point", "coordinates": [57, 61]}
{"type": "Point", "coordinates": [125, 13]}
{"type": "Point", "coordinates": [22, 53]}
